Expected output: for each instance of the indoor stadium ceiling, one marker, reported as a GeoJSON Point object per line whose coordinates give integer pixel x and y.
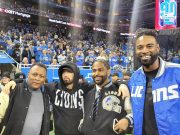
{"type": "Point", "coordinates": [127, 12]}
{"type": "Point", "coordinates": [124, 13]}
{"type": "Point", "coordinates": [143, 10]}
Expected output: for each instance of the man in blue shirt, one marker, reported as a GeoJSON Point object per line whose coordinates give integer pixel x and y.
{"type": "Point", "coordinates": [155, 89]}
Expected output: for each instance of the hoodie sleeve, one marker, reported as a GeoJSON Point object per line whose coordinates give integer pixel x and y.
{"type": "Point", "coordinates": [51, 90]}
{"type": "Point", "coordinates": [87, 87]}
{"type": "Point", "coordinates": [4, 102]}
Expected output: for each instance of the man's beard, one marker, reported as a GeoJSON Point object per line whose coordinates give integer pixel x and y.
{"type": "Point", "coordinates": [147, 63]}
{"type": "Point", "coordinates": [100, 82]}
{"type": "Point", "coordinates": [67, 82]}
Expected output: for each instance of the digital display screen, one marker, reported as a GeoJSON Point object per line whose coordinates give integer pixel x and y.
{"type": "Point", "coordinates": [166, 14]}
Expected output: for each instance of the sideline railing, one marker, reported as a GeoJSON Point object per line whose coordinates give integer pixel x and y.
{"type": "Point", "coordinates": [8, 56]}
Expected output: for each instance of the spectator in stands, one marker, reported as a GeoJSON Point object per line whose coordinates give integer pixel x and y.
{"type": "Point", "coordinates": [31, 50]}
{"type": "Point", "coordinates": [2, 46]}
{"type": "Point", "coordinates": [38, 54]}
{"type": "Point", "coordinates": [50, 53]}
{"type": "Point", "coordinates": [67, 48]}
{"type": "Point", "coordinates": [103, 55]}
{"type": "Point", "coordinates": [4, 100]}
{"type": "Point", "coordinates": [154, 89]}
{"type": "Point", "coordinates": [115, 77]}
{"type": "Point", "coordinates": [54, 62]}
{"type": "Point", "coordinates": [116, 80]}
{"type": "Point", "coordinates": [113, 59]}
{"type": "Point", "coordinates": [126, 75]}
{"type": "Point", "coordinates": [79, 58]}
{"type": "Point", "coordinates": [28, 110]}
{"type": "Point", "coordinates": [96, 51]}
{"type": "Point", "coordinates": [5, 78]}
{"type": "Point", "coordinates": [45, 58]}
{"type": "Point", "coordinates": [90, 58]}
{"type": "Point", "coordinates": [56, 54]}
{"type": "Point", "coordinates": [33, 60]}
{"type": "Point", "coordinates": [16, 53]}
{"type": "Point", "coordinates": [103, 106]}
{"type": "Point", "coordinates": [61, 58]}
{"type": "Point", "coordinates": [176, 59]}
{"type": "Point", "coordinates": [37, 37]}
{"type": "Point", "coordinates": [124, 47]}
{"type": "Point", "coordinates": [19, 77]}
{"type": "Point", "coordinates": [43, 45]}
{"type": "Point", "coordinates": [124, 61]}
{"type": "Point", "coordinates": [101, 49]}
{"type": "Point", "coordinates": [82, 80]}
{"type": "Point", "coordinates": [25, 62]}
{"type": "Point", "coordinates": [26, 53]}
{"type": "Point", "coordinates": [70, 57]}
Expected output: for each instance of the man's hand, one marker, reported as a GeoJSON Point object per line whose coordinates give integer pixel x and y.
{"type": "Point", "coordinates": [80, 124]}
{"type": "Point", "coordinates": [123, 89]}
{"type": "Point", "coordinates": [122, 125]}
{"type": "Point", "coordinates": [8, 87]}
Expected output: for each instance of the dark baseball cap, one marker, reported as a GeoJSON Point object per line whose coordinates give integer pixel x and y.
{"type": "Point", "coordinates": [68, 69]}
{"type": "Point", "coordinates": [20, 76]}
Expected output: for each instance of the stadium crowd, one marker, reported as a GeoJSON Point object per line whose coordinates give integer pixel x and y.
{"type": "Point", "coordinates": [79, 107]}
{"type": "Point", "coordinates": [57, 42]}
{"type": "Point", "coordinates": [48, 45]}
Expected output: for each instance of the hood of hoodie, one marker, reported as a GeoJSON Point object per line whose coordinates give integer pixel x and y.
{"type": "Point", "coordinates": [73, 67]}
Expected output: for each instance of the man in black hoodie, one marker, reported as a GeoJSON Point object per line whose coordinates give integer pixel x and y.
{"type": "Point", "coordinates": [68, 98]}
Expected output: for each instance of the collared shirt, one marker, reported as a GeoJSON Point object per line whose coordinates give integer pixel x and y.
{"type": "Point", "coordinates": [98, 90]}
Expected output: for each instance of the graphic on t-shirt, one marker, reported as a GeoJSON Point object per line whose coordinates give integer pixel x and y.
{"type": "Point", "coordinates": [111, 103]}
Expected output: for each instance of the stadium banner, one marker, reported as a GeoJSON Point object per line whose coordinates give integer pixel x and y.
{"type": "Point", "coordinates": [12, 12]}
{"type": "Point", "coordinates": [166, 14]}
{"type": "Point", "coordinates": [102, 30]}
{"type": "Point", "coordinates": [66, 23]}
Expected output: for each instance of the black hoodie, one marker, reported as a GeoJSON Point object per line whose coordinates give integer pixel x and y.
{"type": "Point", "coordinates": [68, 104]}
